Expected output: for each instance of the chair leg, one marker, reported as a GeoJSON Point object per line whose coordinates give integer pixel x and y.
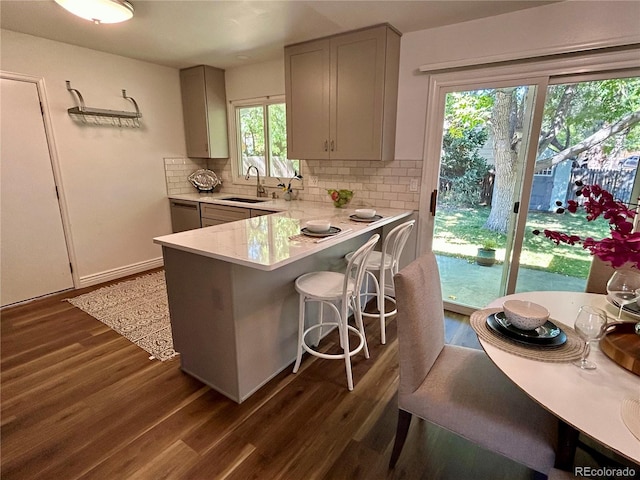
{"type": "Point", "coordinates": [301, 306]}
{"type": "Point", "coordinates": [381, 306]}
{"type": "Point", "coordinates": [567, 443]}
{"type": "Point", "coordinates": [344, 343]}
{"type": "Point", "coordinates": [357, 313]}
{"type": "Point", "coordinates": [320, 322]}
{"type": "Point", "coordinates": [404, 420]}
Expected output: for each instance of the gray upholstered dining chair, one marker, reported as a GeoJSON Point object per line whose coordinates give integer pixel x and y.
{"type": "Point", "coordinates": [599, 274]}
{"type": "Point", "coordinates": [459, 388]}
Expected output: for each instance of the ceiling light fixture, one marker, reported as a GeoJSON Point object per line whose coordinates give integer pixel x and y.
{"type": "Point", "coordinates": [99, 11]}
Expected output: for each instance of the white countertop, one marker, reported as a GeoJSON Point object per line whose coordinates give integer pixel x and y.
{"type": "Point", "coordinates": [266, 203]}
{"type": "Point", "coordinates": [265, 242]}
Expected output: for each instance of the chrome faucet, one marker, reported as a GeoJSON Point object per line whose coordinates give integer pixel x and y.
{"type": "Point", "coordinates": [260, 191]}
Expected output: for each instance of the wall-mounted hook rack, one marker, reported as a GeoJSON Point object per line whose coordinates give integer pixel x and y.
{"type": "Point", "coordinates": [101, 116]}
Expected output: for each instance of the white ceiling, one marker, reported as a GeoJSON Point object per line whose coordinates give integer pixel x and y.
{"type": "Point", "coordinates": [231, 33]}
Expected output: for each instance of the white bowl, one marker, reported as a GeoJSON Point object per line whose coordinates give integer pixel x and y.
{"type": "Point", "coordinates": [525, 315]}
{"type": "Point", "coordinates": [365, 213]}
{"type": "Point", "coordinates": [318, 226]}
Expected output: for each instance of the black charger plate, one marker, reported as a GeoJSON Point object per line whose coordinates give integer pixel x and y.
{"type": "Point", "coordinates": [356, 218]}
{"type": "Point", "coordinates": [328, 233]}
{"type": "Point", "coordinates": [547, 335]}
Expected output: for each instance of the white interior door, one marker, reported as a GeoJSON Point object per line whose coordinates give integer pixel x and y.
{"type": "Point", "coordinates": [34, 257]}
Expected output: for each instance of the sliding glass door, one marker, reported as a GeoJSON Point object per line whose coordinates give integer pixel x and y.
{"type": "Point", "coordinates": [509, 154]}
{"type": "Point", "coordinates": [484, 139]}
{"type": "Point", "coordinates": [590, 132]}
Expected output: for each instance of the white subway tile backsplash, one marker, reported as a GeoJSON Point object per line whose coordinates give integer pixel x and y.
{"type": "Point", "coordinates": [406, 197]}
{"type": "Point", "coordinates": [177, 171]}
{"type": "Point", "coordinates": [375, 184]}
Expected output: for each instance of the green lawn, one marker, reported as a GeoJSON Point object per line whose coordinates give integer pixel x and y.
{"type": "Point", "coordinates": [460, 231]}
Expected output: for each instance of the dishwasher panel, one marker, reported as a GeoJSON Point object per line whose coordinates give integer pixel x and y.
{"type": "Point", "coordinates": [185, 215]}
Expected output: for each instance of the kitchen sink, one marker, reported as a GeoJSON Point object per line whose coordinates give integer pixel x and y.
{"type": "Point", "coordinates": [243, 200]}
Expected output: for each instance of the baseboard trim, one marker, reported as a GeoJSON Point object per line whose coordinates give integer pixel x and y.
{"type": "Point", "coordinates": [120, 272]}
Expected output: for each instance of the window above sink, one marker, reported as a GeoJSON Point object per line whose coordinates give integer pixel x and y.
{"type": "Point", "coordinates": [258, 134]}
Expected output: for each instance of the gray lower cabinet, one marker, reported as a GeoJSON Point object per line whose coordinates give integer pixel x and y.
{"type": "Point", "coordinates": [259, 213]}
{"type": "Point", "coordinates": [217, 214]}
{"type": "Point", "coordinates": [188, 214]}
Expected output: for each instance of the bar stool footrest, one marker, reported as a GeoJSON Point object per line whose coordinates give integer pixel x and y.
{"type": "Point", "coordinates": [331, 356]}
{"type": "Point", "coordinates": [386, 314]}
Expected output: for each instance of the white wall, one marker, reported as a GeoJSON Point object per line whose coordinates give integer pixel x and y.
{"type": "Point", "coordinates": [560, 27]}
{"type": "Point", "coordinates": [113, 178]}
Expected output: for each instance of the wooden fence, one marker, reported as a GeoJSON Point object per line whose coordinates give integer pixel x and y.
{"type": "Point", "coordinates": [619, 182]}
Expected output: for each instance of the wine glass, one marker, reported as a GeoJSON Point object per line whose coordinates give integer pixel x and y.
{"type": "Point", "coordinates": [590, 325]}
{"type": "Point", "coordinates": [624, 288]}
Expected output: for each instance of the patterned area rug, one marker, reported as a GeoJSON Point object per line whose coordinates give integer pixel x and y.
{"type": "Point", "coordinates": [137, 309]}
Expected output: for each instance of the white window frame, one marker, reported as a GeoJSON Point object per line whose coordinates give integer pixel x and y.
{"type": "Point", "coordinates": [535, 73]}
{"type": "Point", "coordinates": [238, 177]}
{"type": "Point", "coordinates": [540, 72]}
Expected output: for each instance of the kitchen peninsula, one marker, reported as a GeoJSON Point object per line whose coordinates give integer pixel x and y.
{"type": "Point", "coordinates": [232, 302]}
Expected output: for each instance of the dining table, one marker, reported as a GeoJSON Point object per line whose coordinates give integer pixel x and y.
{"type": "Point", "coordinates": [585, 401]}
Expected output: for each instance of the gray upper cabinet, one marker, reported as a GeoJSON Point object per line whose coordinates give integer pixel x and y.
{"type": "Point", "coordinates": [205, 112]}
{"type": "Point", "coordinates": [341, 94]}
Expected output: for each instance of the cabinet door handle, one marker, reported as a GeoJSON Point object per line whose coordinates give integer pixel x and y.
{"type": "Point", "coordinates": [332, 146]}
{"type": "Point", "coordinates": [326, 146]}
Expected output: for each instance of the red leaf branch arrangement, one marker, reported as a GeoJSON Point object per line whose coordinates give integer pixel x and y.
{"type": "Point", "coordinates": [622, 247]}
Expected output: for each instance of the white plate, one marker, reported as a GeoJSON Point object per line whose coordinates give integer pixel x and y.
{"type": "Point", "coordinates": [632, 313]}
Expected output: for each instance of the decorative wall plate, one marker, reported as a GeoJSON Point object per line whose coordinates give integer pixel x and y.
{"type": "Point", "coordinates": [204, 180]}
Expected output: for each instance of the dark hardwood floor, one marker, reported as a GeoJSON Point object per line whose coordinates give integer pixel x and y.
{"type": "Point", "coordinates": [80, 401]}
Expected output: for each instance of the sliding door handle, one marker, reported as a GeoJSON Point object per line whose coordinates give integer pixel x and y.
{"type": "Point", "coordinates": [433, 202]}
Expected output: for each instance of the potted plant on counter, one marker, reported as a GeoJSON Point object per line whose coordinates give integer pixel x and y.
{"type": "Point", "coordinates": [486, 256]}
{"type": "Point", "coordinates": [286, 188]}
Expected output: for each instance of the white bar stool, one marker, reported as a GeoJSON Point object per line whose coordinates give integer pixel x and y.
{"type": "Point", "coordinates": [385, 261]}
{"type": "Point", "coordinates": [326, 288]}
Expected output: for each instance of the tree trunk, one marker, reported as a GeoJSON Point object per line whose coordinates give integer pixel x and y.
{"type": "Point", "coordinates": [505, 161]}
